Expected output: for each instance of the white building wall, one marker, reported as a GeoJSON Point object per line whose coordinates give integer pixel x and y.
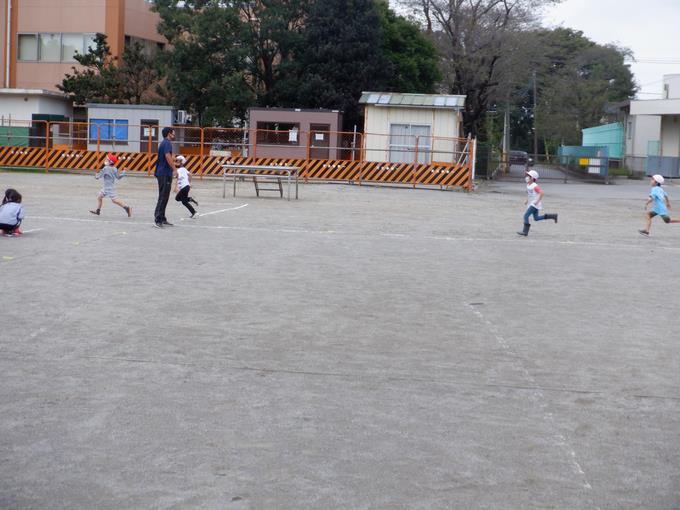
{"type": "Point", "coordinates": [22, 108]}
{"type": "Point", "coordinates": [671, 86]}
{"type": "Point", "coordinates": [640, 130]}
{"type": "Point", "coordinates": [670, 136]}
{"type": "Point", "coordinates": [443, 123]}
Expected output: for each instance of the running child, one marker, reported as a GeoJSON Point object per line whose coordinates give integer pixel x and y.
{"type": "Point", "coordinates": [11, 213]}
{"type": "Point", "coordinates": [658, 196]}
{"type": "Point", "coordinates": [183, 184]}
{"type": "Point", "coordinates": [534, 203]}
{"type": "Point", "coordinates": [110, 174]}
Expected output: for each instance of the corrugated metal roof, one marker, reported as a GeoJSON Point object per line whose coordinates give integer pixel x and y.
{"type": "Point", "coordinates": [412, 100]}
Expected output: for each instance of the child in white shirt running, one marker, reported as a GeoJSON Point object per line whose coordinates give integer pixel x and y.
{"type": "Point", "coordinates": [183, 185]}
{"type": "Point", "coordinates": [110, 174]}
{"type": "Point", "coordinates": [534, 203]}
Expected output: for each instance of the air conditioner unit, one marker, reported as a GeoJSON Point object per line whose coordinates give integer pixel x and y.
{"type": "Point", "coordinates": [181, 117]}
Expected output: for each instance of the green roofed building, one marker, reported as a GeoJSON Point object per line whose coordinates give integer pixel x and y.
{"type": "Point", "coordinates": [607, 135]}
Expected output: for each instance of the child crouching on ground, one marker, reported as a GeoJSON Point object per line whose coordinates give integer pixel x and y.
{"type": "Point", "coordinates": [110, 173]}
{"type": "Point", "coordinates": [184, 185]}
{"type": "Point", "coordinates": [11, 213]}
{"type": "Point", "coordinates": [658, 196]}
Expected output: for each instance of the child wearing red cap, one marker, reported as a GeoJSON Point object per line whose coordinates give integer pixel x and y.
{"type": "Point", "coordinates": [110, 173]}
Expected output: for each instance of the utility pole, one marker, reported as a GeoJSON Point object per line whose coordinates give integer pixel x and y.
{"type": "Point", "coordinates": [535, 114]}
{"type": "Point", "coordinates": [506, 137]}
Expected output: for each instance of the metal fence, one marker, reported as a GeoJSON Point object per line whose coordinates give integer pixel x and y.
{"type": "Point", "coordinates": [585, 161]}
{"type": "Point", "coordinates": [328, 155]}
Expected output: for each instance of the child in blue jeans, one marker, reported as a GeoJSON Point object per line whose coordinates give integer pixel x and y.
{"type": "Point", "coordinates": [534, 203]}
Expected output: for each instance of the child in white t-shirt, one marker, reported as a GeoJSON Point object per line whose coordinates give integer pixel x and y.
{"type": "Point", "coordinates": [183, 185]}
{"type": "Point", "coordinates": [534, 202]}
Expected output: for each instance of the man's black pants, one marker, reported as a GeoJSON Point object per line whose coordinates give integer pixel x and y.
{"type": "Point", "coordinates": [164, 185]}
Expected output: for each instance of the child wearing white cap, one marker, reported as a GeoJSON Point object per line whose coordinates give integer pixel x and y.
{"type": "Point", "coordinates": [184, 185]}
{"type": "Point", "coordinates": [534, 203]}
{"type": "Point", "coordinates": [659, 198]}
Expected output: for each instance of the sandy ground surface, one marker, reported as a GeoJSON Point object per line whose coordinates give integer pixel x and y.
{"type": "Point", "coordinates": [361, 347]}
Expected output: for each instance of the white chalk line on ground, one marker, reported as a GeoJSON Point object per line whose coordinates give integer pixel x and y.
{"type": "Point", "coordinates": [560, 441]}
{"type": "Point", "coordinates": [388, 235]}
{"type": "Point", "coordinates": [217, 212]}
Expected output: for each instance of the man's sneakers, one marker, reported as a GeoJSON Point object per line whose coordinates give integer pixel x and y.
{"type": "Point", "coordinates": [128, 210]}
{"type": "Point", "coordinates": [166, 223]}
{"type": "Point", "coordinates": [643, 233]}
{"type": "Point", "coordinates": [193, 216]}
{"type": "Point", "coordinates": [96, 211]}
{"type": "Point", "coordinates": [158, 224]}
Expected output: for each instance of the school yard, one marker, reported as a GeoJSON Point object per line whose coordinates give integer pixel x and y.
{"type": "Point", "coordinates": [361, 348]}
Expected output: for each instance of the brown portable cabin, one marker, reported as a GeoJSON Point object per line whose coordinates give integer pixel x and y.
{"type": "Point", "coordinates": [294, 133]}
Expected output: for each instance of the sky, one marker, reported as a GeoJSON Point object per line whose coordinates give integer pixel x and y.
{"type": "Point", "coordinates": [650, 29]}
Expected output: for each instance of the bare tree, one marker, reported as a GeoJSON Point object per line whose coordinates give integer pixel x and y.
{"type": "Point", "coordinates": [476, 43]}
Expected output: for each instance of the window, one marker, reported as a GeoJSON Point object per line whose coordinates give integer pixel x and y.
{"type": "Point", "coordinates": [53, 47]}
{"type": "Point", "coordinates": [49, 47]}
{"type": "Point", "coordinates": [28, 47]}
{"type": "Point", "coordinates": [278, 133]}
{"type": "Point", "coordinates": [70, 45]}
{"type": "Point", "coordinates": [408, 139]}
{"type": "Point", "coordinates": [109, 130]}
{"type": "Point", "coordinates": [149, 48]}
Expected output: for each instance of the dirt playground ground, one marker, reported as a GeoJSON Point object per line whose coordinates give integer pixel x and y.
{"type": "Point", "coordinates": [360, 348]}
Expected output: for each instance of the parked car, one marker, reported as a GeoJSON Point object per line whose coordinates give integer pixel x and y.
{"type": "Point", "coordinates": [520, 158]}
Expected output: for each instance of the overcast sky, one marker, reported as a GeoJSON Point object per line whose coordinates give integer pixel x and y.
{"type": "Point", "coordinates": [650, 28]}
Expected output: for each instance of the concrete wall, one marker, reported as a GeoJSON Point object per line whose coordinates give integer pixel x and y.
{"type": "Point", "coordinates": [444, 123]}
{"type": "Point", "coordinates": [140, 21]}
{"type": "Point", "coordinates": [655, 107]}
{"type": "Point", "coordinates": [304, 118]}
{"type": "Point", "coordinates": [116, 18]}
{"type": "Point", "coordinates": [3, 43]}
{"type": "Point", "coordinates": [670, 136]}
{"type": "Point", "coordinates": [23, 107]}
{"type": "Point", "coordinates": [671, 86]}
{"type": "Point", "coordinates": [640, 130]}
{"type": "Point", "coordinates": [134, 115]}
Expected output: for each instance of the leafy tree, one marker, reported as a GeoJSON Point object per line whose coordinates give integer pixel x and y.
{"type": "Point", "coordinates": [576, 78]}
{"type": "Point", "coordinates": [95, 82]}
{"type": "Point", "coordinates": [272, 34]}
{"type": "Point", "coordinates": [104, 80]}
{"type": "Point", "coordinates": [474, 38]}
{"type": "Point", "coordinates": [207, 62]}
{"type": "Point", "coordinates": [414, 58]}
{"type": "Point", "coordinates": [339, 56]}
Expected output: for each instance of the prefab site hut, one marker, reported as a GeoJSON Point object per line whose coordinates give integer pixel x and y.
{"type": "Point", "coordinates": [295, 133]}
{"type": "Point", "coordinates": [127, 127]}
{"type": "Point", "coordinates": [410, 128]}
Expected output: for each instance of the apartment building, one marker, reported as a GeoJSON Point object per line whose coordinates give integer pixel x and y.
{"type": "Point", "coordinates": [40, 37]}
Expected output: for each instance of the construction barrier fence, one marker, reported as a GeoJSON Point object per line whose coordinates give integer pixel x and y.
{"type": "Point", "coordinates": [319, 155]}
